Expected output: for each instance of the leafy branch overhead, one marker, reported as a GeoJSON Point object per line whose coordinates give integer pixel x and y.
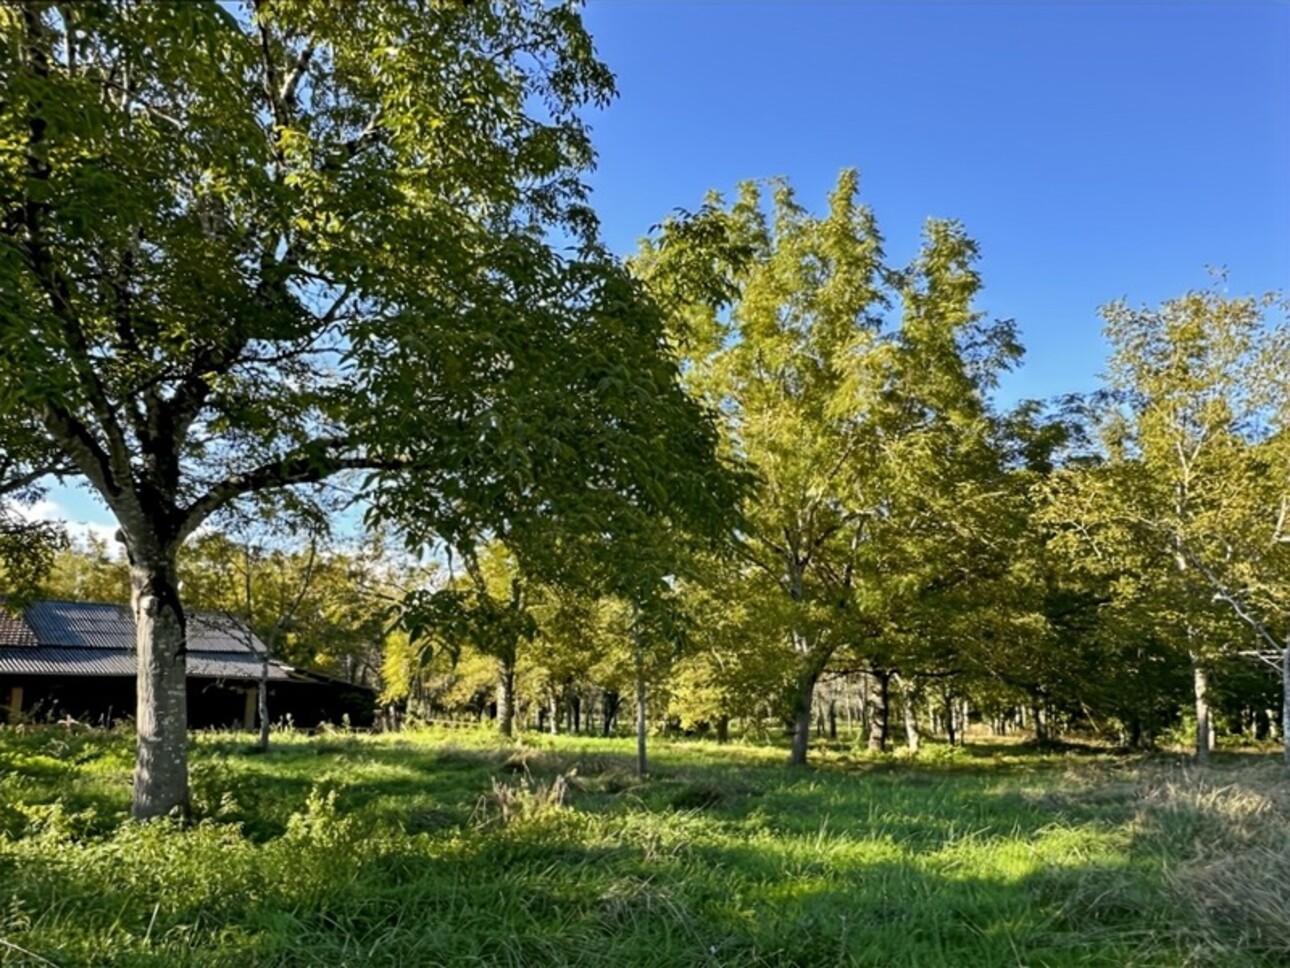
{"type": "Point", "coordinates": [249, 247]}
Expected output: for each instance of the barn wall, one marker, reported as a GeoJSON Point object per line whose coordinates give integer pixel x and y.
{"type": "Point", "coordinates": [212, 704]}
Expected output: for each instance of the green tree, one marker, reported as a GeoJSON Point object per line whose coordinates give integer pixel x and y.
{"type": "Point", "coordinates": [27, 548]}
{"type": "Point", "coordinates": [88, 571]}
{"type": "Point", "coordinates": [1186, 509]}
{"type": "Point", "coordinates": [873, 442]}
{"type": "Point", "coordinates": [243, 250]}
{"type": "Point", "coordinates": [487, 610]}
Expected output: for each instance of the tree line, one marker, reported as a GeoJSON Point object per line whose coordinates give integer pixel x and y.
{"type": "Point", "coordinates": [258, 258]}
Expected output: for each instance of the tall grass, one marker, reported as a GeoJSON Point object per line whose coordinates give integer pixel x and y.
{"type": "Point", "coordinates": [448, 848]}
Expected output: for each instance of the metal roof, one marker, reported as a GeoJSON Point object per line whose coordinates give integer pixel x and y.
{"type": "Point", "coordinates": [13, 630]}
{"type": "Point", "coordinates": [90, 625]}
{"type": "Point", "coordinates": [92, 639]}
{"type": "Point", "coordinates": [46, 660]}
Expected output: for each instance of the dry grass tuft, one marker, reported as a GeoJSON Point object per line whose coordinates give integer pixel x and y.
{"type": "Point", "coordinates": [631, 900]}
{"type": "Point", "coordinates": [526, 799]}
{"type": "Point", "coordinates": [1233, 838]}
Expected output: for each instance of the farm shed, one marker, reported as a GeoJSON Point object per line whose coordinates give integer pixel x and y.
{"type": "Point", "coordinates": [77, 659]}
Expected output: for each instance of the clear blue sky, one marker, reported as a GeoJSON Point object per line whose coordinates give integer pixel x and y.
{"type": "Point", "coordinates": [1094, 150]}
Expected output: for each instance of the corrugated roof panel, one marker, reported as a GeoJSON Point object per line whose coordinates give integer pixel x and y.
{"type": "Point", "coordinates": [81, 624]}
{"type": "Point", "coordinates": [92, 625]}
{"type": "Point", "coordinates": [45, 660]}
{"type": "Point", "coordinates": [14, 631]}
{"type": "Point", "coordinates": [219, 632]}
{"type": "Point", "coordinates": [232, 666]}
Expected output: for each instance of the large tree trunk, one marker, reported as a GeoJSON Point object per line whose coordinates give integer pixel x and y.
{"type": "Point", "coordinates": [161, 758]}
{"type": "Point", "coordinates": [506, 699]}
{"type": "Point", "coordinates": [1200, 686]}
{"type": "Point", "coordinates": [723, 729]}
{"type": "Point", "coordinates": [803, 700]}
{"type": "Point", "coordinates": [880, 716]}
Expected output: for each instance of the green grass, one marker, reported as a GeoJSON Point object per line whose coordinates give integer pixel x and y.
{"type": "Point", "coordinates": [446, 847]}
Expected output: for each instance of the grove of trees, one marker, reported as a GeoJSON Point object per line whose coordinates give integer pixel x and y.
{"type": "Point", "coordinates": [293, 259]}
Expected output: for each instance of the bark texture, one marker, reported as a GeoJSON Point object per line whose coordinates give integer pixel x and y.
{"type": "Point", "coordinates": [908, 704]}
{"type": "Point", "coordinates": [803, 700]}
{"type": "Point", "coordinates": [642, 764]}
{"type": "Point", "coordinates": [1200, 686]}
{"type": "Point", "coordinates": [506, 699]}
{"type": "Point", "coordinates": [878, 721]}
{"type": "Point", "coordinates": [1285, 702]}
{"type": "Point", "coordinates": [161, 759]}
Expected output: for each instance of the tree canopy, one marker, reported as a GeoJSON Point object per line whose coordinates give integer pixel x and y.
{"type": "Point", "coordinates": [250, 247]}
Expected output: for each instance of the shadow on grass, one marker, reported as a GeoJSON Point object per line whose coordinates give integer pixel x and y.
{"type": "Point", "coordinates": [980, 860]}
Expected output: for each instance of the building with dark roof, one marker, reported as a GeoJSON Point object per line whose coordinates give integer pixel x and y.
{"type": "Point", "coordinates": [77, 659]}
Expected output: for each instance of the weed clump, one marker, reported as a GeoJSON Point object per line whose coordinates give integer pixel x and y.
{"type": "Point", "coordinates": [524, 800]}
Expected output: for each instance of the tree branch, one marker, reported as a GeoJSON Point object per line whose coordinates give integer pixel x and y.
{"type": "Point", "coordinates": [1223, 594]}
{"type": "Point", "coordinates": [312, 462]}
{"type": "Point", "coordinates": [57, 289]}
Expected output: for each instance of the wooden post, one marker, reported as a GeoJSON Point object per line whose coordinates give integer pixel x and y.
{"type": "Point", "coordinates": [13, 709]}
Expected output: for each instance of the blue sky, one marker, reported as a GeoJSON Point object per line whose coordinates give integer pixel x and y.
{"type": "Point", "coordinates": [1094, 150]}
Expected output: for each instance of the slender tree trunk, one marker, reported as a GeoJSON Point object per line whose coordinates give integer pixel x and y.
{"type": "Point", "coordinates": [880, 714]}
{"type": "Point", "coordinates": [1200, 687]}
{"type": "Point", "coordinates": [862, 705]}
{"type": "Point", "coordinates": [506, 699]}
{"type": "Point", "coordinates": [949, 718]}
{"type": "Point", "coordinates": [723, 729]}
{"type": "Point", "coordinates": [611, 703]}
{"type": "Point", "coordinates": [908, 704]}
{"type": "Point", "coordinates": [1200, 691]}
{"type": "Point", "coordinates": [575, 712]}
{"type": "Point", "coordinates": [262, 692]}
{"type": "Point", "coordinates": [1041, 727]}
{"type": "Point", "coordinates": [846, 704]}
{"type": "Point", "coordinates": [642, 765]}
{"type": "Point", "coordinates": [1261, 724]}
{"type": "Point", "coordinates": [554, 721]}
{"type": "Point", "coordinates": [1285, 702]}
{"type": "Point", "coordinates": [161, 757]}
{"type": "Point", "coordinates": [262, 701]}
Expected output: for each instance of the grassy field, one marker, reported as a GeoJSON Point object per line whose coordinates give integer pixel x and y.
{"type": "Point", "coordinates": [448, 848]}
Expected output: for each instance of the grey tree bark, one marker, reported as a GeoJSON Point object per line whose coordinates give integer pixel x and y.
{"type": "Point", "coordinates": [878, 722]}
{"type": "Point", "coordinates": [1200, 687]}
{"type": "Point", "coordinates": [908, 704]}
{"type": "Point", "coordinates": [506, 699]}
{"type": "Point", "coordinates": [1285, 702]}
{"type": "Point", "coordinates": [803, 700]}
{"type": "Point", "coordinates": [161, 719]}
{"type": "Point", "coordinates": [642, 764]}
